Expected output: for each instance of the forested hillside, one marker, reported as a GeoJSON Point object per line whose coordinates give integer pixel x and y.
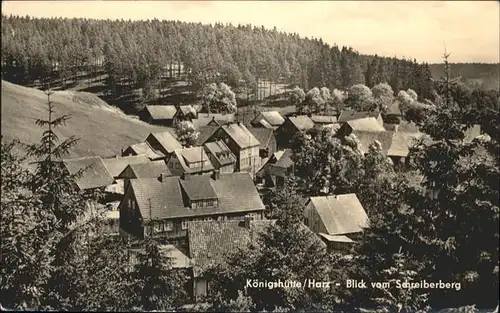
{"type": "Point", "coordinates": [483, 75]}
{"type": "Point", "coordinates": [134, 62]}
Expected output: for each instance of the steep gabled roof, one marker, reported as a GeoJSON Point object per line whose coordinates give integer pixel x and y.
{"type": "Point", "coordinates": [367, 124]}
{"type": "Point", "coordinates": [151, 169]}
{"type": "Point", "coordinates": [341, 214]}
{"type": "Point", "coordinates": [220, 152]}
{"type": "Point", "coordinates": [161, 112]}
{"type": "Point", "coordinates": [145, 149]}
{"type": "Point", "coordinates": [236, 193]}
{"type": "Point", "coordinates": [401, 143]}
{"type": "Point", "coordinates": [95, 174]}
{"type": "Point", "coordinates": [167, 141]}
{"type": "Point", "coordinates": [241, 135]}
{"type": "Point", "coordinates": [205, 133]}
{"type": "Point", "coordinates": [349, 115]}
{"type": "Point", "coordinates": [263, 135]}
{"type": "Point", "coordinates": [116, 165]}
{"type": "Point", "coordinates": [301, 122]}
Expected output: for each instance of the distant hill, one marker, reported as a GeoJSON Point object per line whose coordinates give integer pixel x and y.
{"type": "Point", "coordinates": [102, 129]}
{"type": "Point", "coordinates": [483, 75]}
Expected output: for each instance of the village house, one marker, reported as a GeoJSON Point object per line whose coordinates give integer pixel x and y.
{"type": "Point", "coordinates": [115, 166]}
{"type": "Point", "coordinates": [276, 169]}
{"type": "Point", "coordinates": [213, 119]}
{"type": "Point", "coordinates": [400, 148]}
{"type": "Point", "coordinates": [242, 144]}
{"type": "Point", "coordinates": [220, 156]}
{"type": "Point", "coordinates": [337, 219]}
{"type": "Point", "coordinates": [159, 115]}
{"type": "Point", "coordinates": [190, 161]}
{"type": "Point", "coordinates": [93, 175]}
{"type": "Point", "coordinates": [151, 169]}
{"type": "Point", "coordinates": [163, 143]}
{"type": "Point", "coordinates": [350, 115]}
{"type": "Point", "coordinates": [210, 244]}
{"type": "Point", "coordinates": [289, 128]}
{"type": "Point", "coordinates": [267, 141]}
{"type": "Point", "coordinates": [167, 204]}
{"type": "Point", "coordinates": [367, 131]}
{"type": "Point", "coordinates": [205, 132]}
{"type": "Point", "coordinates": [393, 114]}
{"type": "Point", "coordinates": [186, 113]}
{"type": "Point", "coordinates": [143, 148]}
{"type": "Point", "coordinates": [268, 119]}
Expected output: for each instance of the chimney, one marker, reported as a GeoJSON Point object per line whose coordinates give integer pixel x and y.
{"type": "Point", "coordinates": [216, 175]}
{"type": "Point", "coordinates": [122, 151]}
{"type": "Point", "coordinates": [248, 220]}
{"type": "Point", "coordinates": [162, 177]}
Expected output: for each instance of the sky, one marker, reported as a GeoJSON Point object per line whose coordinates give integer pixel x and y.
{"type": "Point", "coordinates": [470, 30]}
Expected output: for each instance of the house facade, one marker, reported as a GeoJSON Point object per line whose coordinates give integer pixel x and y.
{"type": "Point", "coordinates": [220, 156]}
{"type": "Point", "coordinates": [290, 127]}
{"type": "Point", "coordinates": [190, 161]}
{"type": "Point", "coordinates": [267, 141]}
{"type": "Point", "coordinates": [165, 205]}
{"type": "Point", "coordinates": [242, 144]}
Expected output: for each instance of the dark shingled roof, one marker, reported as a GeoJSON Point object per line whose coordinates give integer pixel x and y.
{"type": "Point", "coordinates": [205, 133]}
{"type": "Point", "coordinates": [149, 170]}
{"type": "Point", "coordinates": [95, 174]}
{"type": "Point", "coordinates": [280, 168]}
{"type": "Point", "coordinates": [263, 135]}
{"type": "Point", "coordinates": [341, 214]}
{"type": "Point", "coordinates": [349, 115]}
{"type": "Point", "coordinates": [167, 141]}
{"type": "Point", "coordinates": [221, 152]}
{"type": "Point", "coordinates": [211, 242]}
{"type": "Point", "coordinates": [301, 122]}
{"type": "Point", "coordinates": [236, 193]}
{"type": "Point", "coordinates": [161, 112]}
{"type": "Point", "coordinates": [116, 165]}
{"type": "Point", "coordinates": [199, 188]}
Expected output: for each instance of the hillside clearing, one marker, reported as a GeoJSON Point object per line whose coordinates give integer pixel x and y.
{"type": "Point", "coordinates": [103, 130]}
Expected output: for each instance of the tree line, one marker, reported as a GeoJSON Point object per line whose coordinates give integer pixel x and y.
{"type": "Point", "coordinates": [144, 54]}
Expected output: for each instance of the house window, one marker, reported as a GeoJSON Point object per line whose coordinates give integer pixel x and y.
{"type": "Point", "coordinates": [158, 228]}
{"type": "Point", "coordinates": [169, 165]}
{"type": "Point", "coordinates": [306, 221]}
{"type": "Point", "coordinates": [129, 203]}
{"type": "Point", "coordinates": [207, 219]}
{"type": "Point", "coordinates": [133, 205]}
{"type": "Point", "coordinates": [184, 225]}
{"type": "Point", "coordinates": [210, 203]}
{"type": "Point", "coordinates": [169, 226]}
